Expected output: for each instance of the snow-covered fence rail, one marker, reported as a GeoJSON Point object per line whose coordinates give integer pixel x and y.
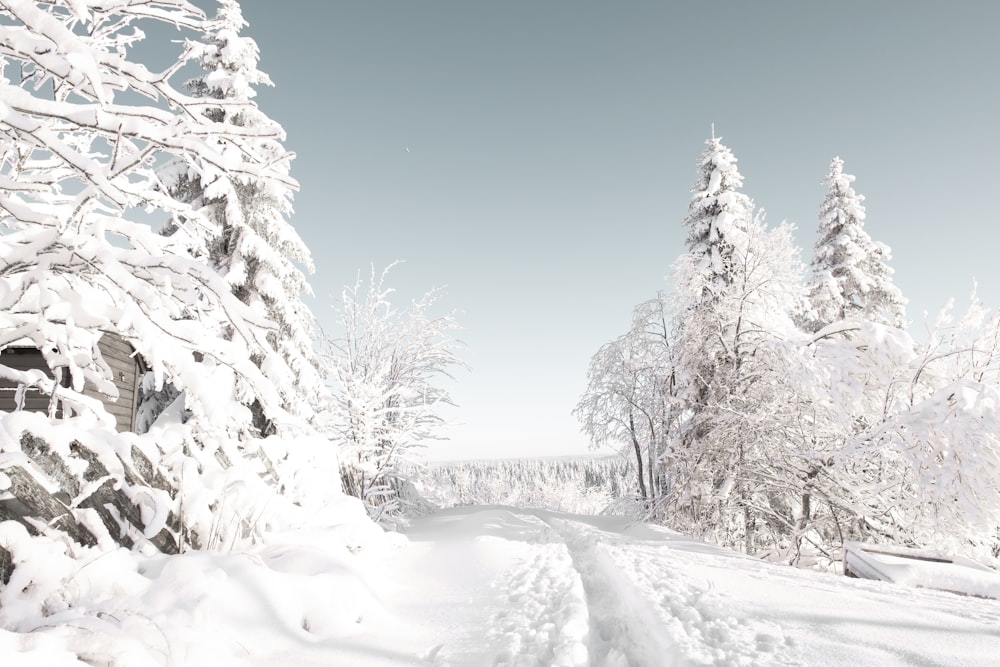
{"type": "Point", "coordinates": [74, 491]}
{"type": "Point", "coordinates": [920, 568]}
{"type": "Point", "coordinates": [33, 503]}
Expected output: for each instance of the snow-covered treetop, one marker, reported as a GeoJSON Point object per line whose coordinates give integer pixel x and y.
{"type": "Point", "coordinates": [851, 277]}
{"type": "Point", "coordinates": [718, 213]}
{"type": "Point", "coordinates": [230, 60]}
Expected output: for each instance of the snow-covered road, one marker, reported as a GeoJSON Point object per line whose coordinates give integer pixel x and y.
{"type": "Point", "coordinates": [506, 586]}
{"type": "Point", "coordinates": [473, 587]}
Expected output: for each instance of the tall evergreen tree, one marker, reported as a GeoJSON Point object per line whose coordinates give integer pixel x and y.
{"type": "Point", "coordinates": [737, 287]}
{"type": "Point", "coordinates": [251, 242]}
{"type": "Point", "coordinates": [718, 219]}
{"type": "Point", "coordinates": [717, 216]}
{"type": "Point", "coordinates": [851, 277]}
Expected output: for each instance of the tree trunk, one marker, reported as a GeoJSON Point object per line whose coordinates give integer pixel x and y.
{"type": "Point", "coordinates": [6, 566]}
{"type": "Point", "coordinates": [650, 458]}
{"type": "Point", "coordinates": [638, 456]}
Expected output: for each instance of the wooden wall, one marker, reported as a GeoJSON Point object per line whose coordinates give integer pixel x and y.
{"type": "Point", "coordinates": [23, 359]}
{"type": "Point", "coordinates": [126, 372]}
{"type": "Point", "coordinates": [118, 354]}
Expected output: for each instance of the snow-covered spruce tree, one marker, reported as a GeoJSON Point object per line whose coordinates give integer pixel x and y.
{"type": "Point", "coordinates": [851, 277]}
{"type": "Point", "coordinates": [250, 242]}
{"type": "Point", "coordinates": [628, 399]}
{"type": "Point", "coordinates": [737, 289]}
{"type": "Point", "coordinates": [76, 167]}
{"type": "Point", "coordinates": [842, 375]}
{"type": "Point", "coordinates": [717, 218]}
{"type": "Point", "coordinates": [386, 371]}
{"type": "Point", "coordinates": [731, 356]}
{"type": "Point", "coordinates": [718, 215]}
{"type": "Point", "coordinates": [83, 130]}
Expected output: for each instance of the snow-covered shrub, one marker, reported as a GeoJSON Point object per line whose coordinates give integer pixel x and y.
{"type": "Point", "coordinates": [386, 369]}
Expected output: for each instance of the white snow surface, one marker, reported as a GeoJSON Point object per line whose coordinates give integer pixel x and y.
{"type": "Point", "coordinates": [491, 585]}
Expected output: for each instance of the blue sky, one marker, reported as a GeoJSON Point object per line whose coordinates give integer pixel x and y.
{"type": "Point", "coordinates": [536, 158]}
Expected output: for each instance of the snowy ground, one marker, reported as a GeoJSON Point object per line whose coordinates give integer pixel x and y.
{"type": "Point", "coordinates": [481, 586]}
{"type": "Point", "coordinates": [508, 586]}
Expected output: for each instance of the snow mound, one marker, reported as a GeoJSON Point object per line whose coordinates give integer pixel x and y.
{"type": "Point", "coordinates": [118, 607]}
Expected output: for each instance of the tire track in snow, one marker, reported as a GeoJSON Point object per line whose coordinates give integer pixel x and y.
{"type": "Point", "coordinates": [583, 598]}
{"type": "Point", "coordinates": [546, 622]}
{"type": "Point", "coordinates": [714, 632]}
{"type": "Point", "coordinates": [624, 630]}
{"type": "Point", "coordinates": [643, 613]}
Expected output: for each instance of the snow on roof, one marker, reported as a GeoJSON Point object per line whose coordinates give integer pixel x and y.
{"type": "Point", "coordinates": [20, 342]}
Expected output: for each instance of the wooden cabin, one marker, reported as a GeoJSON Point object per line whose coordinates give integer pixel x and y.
{"type": "Point", "coordinates": [126, 366]}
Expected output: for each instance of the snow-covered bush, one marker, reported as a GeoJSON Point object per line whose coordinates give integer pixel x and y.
{"type": "Point", "coordinates": [386, 370]}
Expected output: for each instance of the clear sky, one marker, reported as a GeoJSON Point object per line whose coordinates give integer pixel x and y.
{"type": "Point", "coordinates": [537, 157]}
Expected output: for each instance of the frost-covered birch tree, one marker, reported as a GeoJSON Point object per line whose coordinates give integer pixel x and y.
{"type": "Point", "coordinates": [851, 277]}
{"type": "Point", "coordinates": [250, 241]}
{"type": "Point", "coordinates": [628, 401]}
{"type": "Point", "coordinates": [387, 370]}
{"type": "Point", "coordinates": [926, 471]}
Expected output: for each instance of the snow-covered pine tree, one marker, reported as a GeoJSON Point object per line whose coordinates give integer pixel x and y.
{"type": "Point", "coordinates": [251, 243]}
{"type": "Point", "coordinates": [717, 223]}
{"type": "Point", "coordinates": [851, 277]}
{"type": "Point", "coordinates": [736, 290]}
{"type": "Point", "coordinates": [717, 216]}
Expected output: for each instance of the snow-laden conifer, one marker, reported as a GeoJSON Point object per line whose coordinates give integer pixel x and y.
{"type": "Point", "coordinates": [250, 241]}
{"type": "Point", "coordinates": [851, 277]}
{"type": "Point", "coordinates": [717, 216]}
{"type": "Point", "coordinates": [81, 130]}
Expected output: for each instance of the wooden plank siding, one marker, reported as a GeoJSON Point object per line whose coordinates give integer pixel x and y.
{"type": "Point", "coordinates": [126, 369]}
{"type": "Point", "coordinates": [24, 359]}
